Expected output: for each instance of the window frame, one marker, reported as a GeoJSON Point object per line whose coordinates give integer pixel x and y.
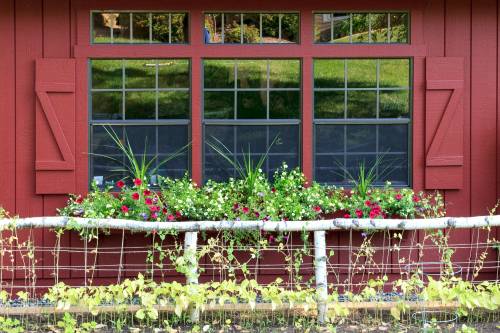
{"type": "Point", "coordinates": [137, 122]}
{"type": "Point", "coordinates": [251, 122]}
{"type": "Point", "coordinates": [369, 121]}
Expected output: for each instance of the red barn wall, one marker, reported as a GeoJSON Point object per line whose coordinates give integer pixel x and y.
{"type": "Point", "coordinates": [33, 29]}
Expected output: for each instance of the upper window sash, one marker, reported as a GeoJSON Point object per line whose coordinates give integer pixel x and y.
{"type": "Point", "coordinates": [119, 27]}
{"type": "Point", "coordinates": [362, 28]}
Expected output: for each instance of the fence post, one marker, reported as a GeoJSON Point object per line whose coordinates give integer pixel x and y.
{"type": "Point", "coordinates": [321, 274]}
{"type": "Point", "coordinates": [190, 244]}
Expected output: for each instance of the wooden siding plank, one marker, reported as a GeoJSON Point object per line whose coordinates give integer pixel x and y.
{"type": "Point", "coordinates": [7, 105]}
{"type": "Point", "coordinates": [483, 106]}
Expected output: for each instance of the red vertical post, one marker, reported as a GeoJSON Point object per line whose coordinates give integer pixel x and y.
{"type": "Point", "coordinates": [306, 40]}
{"type": "Point", "coordinates": [197, 43]}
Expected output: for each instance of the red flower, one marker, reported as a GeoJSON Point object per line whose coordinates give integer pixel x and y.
{"type": "Point", "coordinates": [79, 199]}
{"type": "Point", "coordinates": [124, 209]}
{"type": "Point", "coordinates": [368, 203]}
{"type": "Point", "coordinates": [171, 217]}
{"type": "Point", "coordinates": [257, 214]}
{"type": "Point", "coordinates": [164, 210]}
{"type": "Point", "coordinates": [154, 208]}
{"type": "Point", "coordinates": [154, 216]}
{"type": "Point", "coordinates": [373, 214]}
{"type": "Point", "coordinates": [317, 209]}
{"type": "Point", "coordinates": [271, 238]}
{"type": "Point", "coordinates": [359, 213]}
{"type": "Point", "coordinates": [346, 216]}
{"type": "Point", "coordinates": [135, 196]}
{"type": "Point", "coordinates": [416, 198]}
{"type": "Point", "coordinates": [137, 182]}
{"type": "Point", "coordinates": [178, 214]}
{"type": "Point", "coordinates": [273, 190]}
{"type": "Point", "coordinates": [398, 196]}
{"type": "Point", "coordinates": [236, 206]}
{"type": "Point", "coordinates": [120, 184]}
{"type": "Point", "coordinates": [148, 201]}
{"type": "Point", "coordinates": [147, 193]}
{"type": "Point", "coordinates": [245, 210]}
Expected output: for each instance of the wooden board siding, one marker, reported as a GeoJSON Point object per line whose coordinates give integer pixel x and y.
{"type": "Point", "coordinates": [32, 29]}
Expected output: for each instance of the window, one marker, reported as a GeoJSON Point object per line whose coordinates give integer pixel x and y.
{"type": "Point", "coordinates": [343, 27]}
{"type": "Point", "coordinates": [146, 101]}
{"type": "Point", "coordinates": [250, 106]}
{"type": "Point", "coordinates": [140, 27]}
{"type": "Point", "coordinates": [251, 28]}
{"type": "Point", "coordinates": [362, 115]}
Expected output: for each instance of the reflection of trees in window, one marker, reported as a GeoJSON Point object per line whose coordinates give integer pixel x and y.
{"type": "Point", "coordinates": [140, 27]}
{"type": "Point", "coordinates": [361, 27]}
{"type": "Point", "coordinates": [249, 28]}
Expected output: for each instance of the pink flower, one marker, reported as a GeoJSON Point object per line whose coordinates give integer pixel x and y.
{"type": "Point", "coordinates": [120, 184]}
{"type": "Point", "coordinates": [416, 199]}
{"type": "Point", "coordinates": [146, 193]}
{"type": "Point", "coordinates": [317, 209]}
{"type": "Point", "coordinates": [257, 214]}
{"type": "Point", "coordinates": [359, 213]}
{"type": "Point", "coordinates": [271, 238]}
{"type": "Point", "coordinates": [398, 196]}
{"type": "Point", "coordinates": [347, 216]}
{"type": "Point", "coordinates": [245, 210]}
{"type": "Point", "coordinates": [368, 203]}
{"type": "Point", "coordinates": [154, 216]}
{"type": "Point", "coordinates": [135, 196]}
{"type": "Point", "coordinates": [171, 217]}
{"type": "Point", "coordinates": [124, 209]}
{"type": "Point", "coordinates": [373, 214]}
{"type": "Point", "coordinates": [148, 201]}
{"type": "Point", "coordinates": [137, 182]}
{"type": "Point", "coordinates": [178, 214]}
{"type": "Point", "coordinates": [154, 208]}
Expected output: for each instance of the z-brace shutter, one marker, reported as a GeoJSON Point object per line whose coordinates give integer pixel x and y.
{"type": "Point", "coordinates": [444, 123]}
{"type": "Point", "coordinates": [55, 126]}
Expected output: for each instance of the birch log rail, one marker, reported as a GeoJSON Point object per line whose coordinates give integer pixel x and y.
{"type": "Point", "coordinates": [270, 226]}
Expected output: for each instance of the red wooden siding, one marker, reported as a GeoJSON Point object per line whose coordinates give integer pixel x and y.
{"type": "Point", "coordinates": [51, 29]}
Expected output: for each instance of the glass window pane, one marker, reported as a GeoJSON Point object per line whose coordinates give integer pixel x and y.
{"type": "Point", "coordinates": [270, 28]}
{"type": "Point", "coordinates": [284, 74]}
{"type": "Point", "coordinates": [160, 28]}
{"type": "Point", "coordinates": [329, 139]}
{"type": "Point", "coordinates": [361, 104]}
{"type": "Point", "coordinates": [172, 138]}
{"type": "Point", "coordinates": [361, 138]}
{"type": "Point", "coordinates": [140, 73]}
{"type": "Point", "coordinates": [140, 29]}
{"type": "Point", "coordinates": [394, 104]}
{"type": "Point", "coordinates": [329, 73]}
{"type": "Point", "coordinates": [252, 104]}
{"type": "Point", "coordinates": [140, 105]}
{"type": "Point", "coordinates": [121, 27]}
{"type": "Point", "coordinates": [101, 27]}
{"type": "Point", "coordinates": [218, 105]}
{"type": "Point", "coordinates": [354, 162]}
{"type": "Point", "coordinates": [219, 73]}
{"type": "Point", "coordinates": [286, 139]}
{"type": "Point", "coordinates": [252, 73]}
{"type": "Point", "coordinates": [323, 28]}
{"type": "Point", "coordinates": [393, 138]}
{"type": "Point", "coordinates": [393, 168]}
{"type": "Point", "coordinates": [142, 139]}
{"type": "Point", "coordinates": [232, 28]}
{"type": "Point", "coordinates": [329, 169]}
{"type": "Point", "coordinates": [394, 73]}
{"type": "Point", "coordinates": [173, 105]}
{"type": "Point", "coordinates": [213, 28]}
{"type": "Point", "coordinates": [360, 28]}
{"type": "Point", "coordinates": [107, 105]}
{"type": "Point", "coordinates": [251, 28]}
{"type": "Point", "coordinates": [329, 104]}
{"type": "Point", "coordinates": [290, 28]}
{"type": "Point", "coordinates": [173, 73]}
{"type": "Point", "coordinates": [180, 28]}
{"type": "Point", "coordinates": [362, 73]}
{"type": "Point", "coordinates": [341, 27]}
{"type": "Point", "coordinates": [399, 28]}
{"type": "Point", "coordinates": [284, 104]}
{"type": "Point", "coordinates": [107, 74]}
{"type": "Point", "coordinates": [379, 28]}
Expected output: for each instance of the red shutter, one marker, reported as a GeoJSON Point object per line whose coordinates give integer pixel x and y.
{"type": "Point", "coordinates": [444, 123]}
{"type": "Point", "coordinates": [55, 126]}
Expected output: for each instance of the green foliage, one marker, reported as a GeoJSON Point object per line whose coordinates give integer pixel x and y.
{"type": "Point", "coordinates": [10, 325]}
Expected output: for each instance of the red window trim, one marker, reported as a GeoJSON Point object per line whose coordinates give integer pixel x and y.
{"type": "Point", "coordinates": [197, 50]}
